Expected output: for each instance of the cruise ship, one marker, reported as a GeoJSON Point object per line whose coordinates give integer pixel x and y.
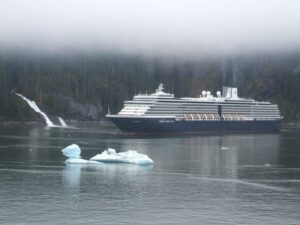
{"type": "Point", "coordinates": [161, 112]}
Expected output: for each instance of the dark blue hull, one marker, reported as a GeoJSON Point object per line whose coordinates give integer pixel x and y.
{"type": "Point", "coordinates": [160, 125]}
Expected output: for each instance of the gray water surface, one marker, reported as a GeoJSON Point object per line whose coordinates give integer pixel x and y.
{"type": "Point", "coordinates": [216, 179]}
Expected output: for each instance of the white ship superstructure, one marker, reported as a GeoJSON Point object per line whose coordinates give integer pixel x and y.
{"type": "Point", "coordinates": [205, 107]}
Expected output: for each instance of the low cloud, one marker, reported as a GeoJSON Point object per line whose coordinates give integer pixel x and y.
{"type": "Point", "coordinates": [185, 27]}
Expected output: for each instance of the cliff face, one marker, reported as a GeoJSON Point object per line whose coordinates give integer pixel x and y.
{"type": "Point", "coordinates": [81, 87]}
{"type": "Point", "coordinates": [77, 111]}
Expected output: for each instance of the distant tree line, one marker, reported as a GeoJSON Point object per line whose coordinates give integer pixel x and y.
{"type": "Point", "coordinates": [109, 79]}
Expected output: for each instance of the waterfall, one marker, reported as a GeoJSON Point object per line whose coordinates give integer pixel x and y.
{"type": "Point", "coordinates": [33, 105]}
{"type": "Point", "coordinates": [62, 122]}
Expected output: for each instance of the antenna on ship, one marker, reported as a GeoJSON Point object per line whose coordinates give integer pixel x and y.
{"type": "Point", "coordinates": [160, 88]}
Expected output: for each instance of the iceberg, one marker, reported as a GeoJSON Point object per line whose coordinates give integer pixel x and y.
{"type": "Point", "coordinates": [76, 161]}
{"type": "Point", "coordinates": [72, 152]}
{"type": "Point", "coordinates": [80, 161]}
{"type": "Point", "coordinates": [131, 156]}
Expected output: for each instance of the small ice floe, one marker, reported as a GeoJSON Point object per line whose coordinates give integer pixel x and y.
{"type": "Point", "coordinates": [110, 155]}
{"type": "Point", "coordinates": [77, 161]}
{"type": "Point", "coordinates": [73, 153]}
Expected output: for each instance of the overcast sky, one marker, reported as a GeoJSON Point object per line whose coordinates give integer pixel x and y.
{"type": "Point", "coordinates": [152, 26]}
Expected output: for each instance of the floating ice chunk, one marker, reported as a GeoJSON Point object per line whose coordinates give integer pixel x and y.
{"type": "Point", "coordinates": [80, 161]}
{"type": "Point", "coordinates": [110, 155]}
{"type": "Point", "coordinates": [76, 161]}
{"type": "Point", "coordinates": [72, 152]}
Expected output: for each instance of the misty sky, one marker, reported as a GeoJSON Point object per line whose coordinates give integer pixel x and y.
{"type": "Point", "coordinates": [152, 26]}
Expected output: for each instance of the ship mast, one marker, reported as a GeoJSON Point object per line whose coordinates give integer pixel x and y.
{"type": "Point", "coordinates": [160, 88]}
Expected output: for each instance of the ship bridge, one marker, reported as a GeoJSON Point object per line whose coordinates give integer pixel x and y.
{"type": "Point", "coordinates": [142, 102]}
{"type": "Point", "coordinates": [159, 94]}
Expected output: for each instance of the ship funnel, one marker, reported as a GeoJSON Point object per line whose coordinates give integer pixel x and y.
{"type": "Point", "coordinates": [230, 92]}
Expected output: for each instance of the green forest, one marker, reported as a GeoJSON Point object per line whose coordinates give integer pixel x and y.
{"type": "Point", "coordinates": [81, 86]}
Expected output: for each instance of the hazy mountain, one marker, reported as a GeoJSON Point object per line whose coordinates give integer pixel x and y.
{"type": "Point", "coordinates": [82, 86]}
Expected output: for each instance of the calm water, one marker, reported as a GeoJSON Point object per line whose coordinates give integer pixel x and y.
{"type": "Point", "coordinates": [221, 179]}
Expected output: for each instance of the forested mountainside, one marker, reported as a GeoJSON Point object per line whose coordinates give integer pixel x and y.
{"type": "Point", "coordinates": [82, 86]}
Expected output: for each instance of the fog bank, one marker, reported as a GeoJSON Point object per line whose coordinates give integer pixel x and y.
{"type": "Point", "coordinates": [169, 27]}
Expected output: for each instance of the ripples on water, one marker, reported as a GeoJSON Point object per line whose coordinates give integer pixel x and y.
{"type": "Point", "coordinates": [220, 179]}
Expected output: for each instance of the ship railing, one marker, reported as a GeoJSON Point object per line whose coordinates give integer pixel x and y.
{"type": "Point", "coordinates": [216, 117]}
{"type": "Point", "coordinates": [199, 116]}
{"type": "Point", "coordinates": [225, 117]}
{"type": "Point", "coordinates": [234, 117]}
